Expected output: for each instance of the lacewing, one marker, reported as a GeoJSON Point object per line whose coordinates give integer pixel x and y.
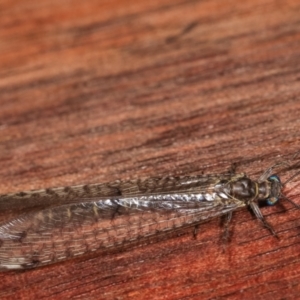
{"type": "Point", "coordinates": [47, 226]}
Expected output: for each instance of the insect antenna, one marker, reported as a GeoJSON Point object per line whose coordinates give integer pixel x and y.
{"type": "Point", "coordinates": [289, 200]}
{"type": "Point", "coordinates": [286, 198]}
{"type": "Point", "coordinates": [291, 178]}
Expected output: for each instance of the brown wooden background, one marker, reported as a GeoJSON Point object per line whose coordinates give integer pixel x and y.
{"type": "Point", "coordinates": [93, 91]}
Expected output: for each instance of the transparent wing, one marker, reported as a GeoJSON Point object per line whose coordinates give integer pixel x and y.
{"type": "Point", "coordinates": [58, 233]}
{"type": "Point", "coordinates": [14, 204]}
{"type": "Point", "coordinates": [159, 185]}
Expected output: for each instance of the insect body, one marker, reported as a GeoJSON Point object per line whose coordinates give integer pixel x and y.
{"type": "Point", "coordinates": [56, 224]}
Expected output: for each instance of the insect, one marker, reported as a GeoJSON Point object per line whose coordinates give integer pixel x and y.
{"type": "Point", "coordinates": [87, 218]}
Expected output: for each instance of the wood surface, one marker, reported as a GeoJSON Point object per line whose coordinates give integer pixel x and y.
{"type": "Point", "coordinates": [93, 91]}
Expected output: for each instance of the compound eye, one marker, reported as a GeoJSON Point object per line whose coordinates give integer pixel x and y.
{"type": "Point", "coordinates": [274, 178]}
{"type": "Point", "coordinates": [272, 200]}
{"type": "Point", "coordinates": [276, 183]}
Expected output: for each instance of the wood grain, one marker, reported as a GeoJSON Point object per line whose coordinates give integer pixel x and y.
{"type": "Point", "coordinates": [93, 91]}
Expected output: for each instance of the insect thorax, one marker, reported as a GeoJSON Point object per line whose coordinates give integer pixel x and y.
{"type": "Point", "coordinates": [244, 189]}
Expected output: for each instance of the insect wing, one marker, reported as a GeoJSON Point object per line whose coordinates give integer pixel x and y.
{"type": "Point", "coordinates": [65, 231]}
{"type": "Point", "coordinates": [154, 185]}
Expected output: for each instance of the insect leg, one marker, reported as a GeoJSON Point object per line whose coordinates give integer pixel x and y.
{"type": "Point", "coordinates": [225, 235]}
{"type": "Point", "coordinates": [195, 231]}
{"type": "Point", "coordinates": [259, 216]}
{"type": "Point", "coordinates": [270, 170]}
{"type": "Point", "coordinates": [232, 169]}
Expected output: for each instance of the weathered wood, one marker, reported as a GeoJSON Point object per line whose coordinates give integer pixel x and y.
{"type": "Point", "coordinates": [93, 91]}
